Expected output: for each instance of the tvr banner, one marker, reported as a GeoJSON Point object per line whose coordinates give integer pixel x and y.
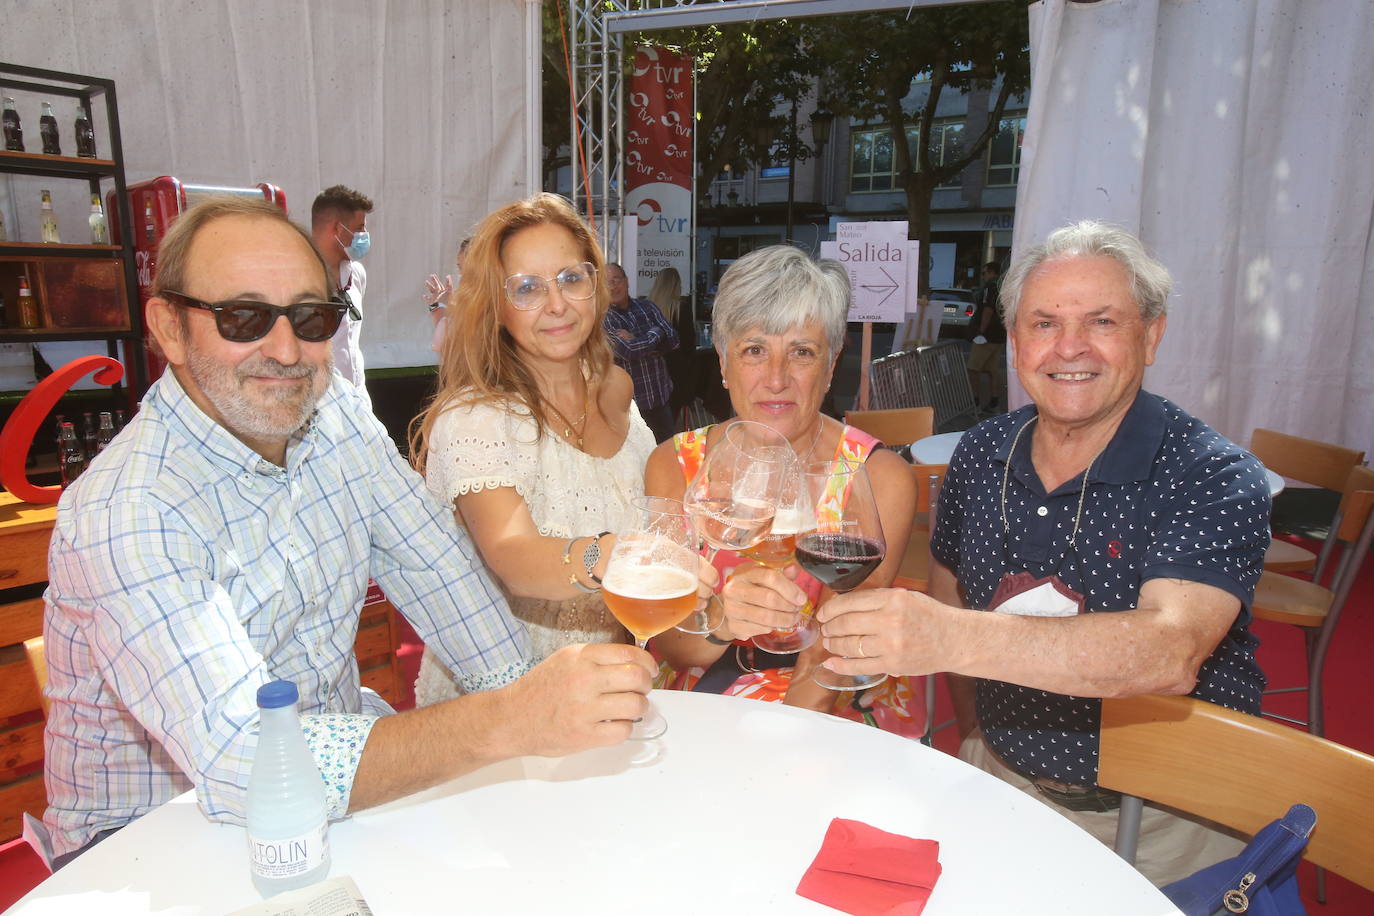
{"type": "Point", "coordinates": [658, 164]}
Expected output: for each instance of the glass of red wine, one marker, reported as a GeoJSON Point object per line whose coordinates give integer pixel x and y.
{"type": "Point", "coordinates": [843, 544]}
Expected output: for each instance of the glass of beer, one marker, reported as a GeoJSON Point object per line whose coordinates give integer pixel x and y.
{"type": "Point", "coordinates": [651, 581]}
{"type": "Point", "coordinates": [778, 550]}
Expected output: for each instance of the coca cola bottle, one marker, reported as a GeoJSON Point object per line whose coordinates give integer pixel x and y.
{"type": "Point", "coordinates": [106, 433]}
{"type": "Point", "coordinates": [70, 456]}
{"type": "Point", "coordinates": [88, 433]}
{"type": "Point", "coordinates": [85, 134]}
{"type": "Point", "coordinates": [14, 134]}
{"type": "Point", "coordinates": [47, 129]}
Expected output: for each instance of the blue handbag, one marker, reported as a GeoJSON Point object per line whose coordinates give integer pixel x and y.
{"type": "Point", "coordinates": [1261, 881]}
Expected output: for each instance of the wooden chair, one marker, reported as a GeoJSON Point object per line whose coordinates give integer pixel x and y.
{"type": "Point", "coordinates": [895, 426]}
{"type": "Point", "coordinates": [1317, 608]}
{"type": "Point", "coordinates": [38, 664]}
{"type": "Point", "coordinates": [1237, 770]}
{"type": "Point", "coordinates": [1310, 461]}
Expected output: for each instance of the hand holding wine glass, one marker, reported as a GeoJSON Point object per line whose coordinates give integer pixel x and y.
{"type": "Point", "coordinates": [777, 551]}
{"type": "Point", "coordinates": [734, 495]}
{"type": "Point", "coordinates": [843, 544]}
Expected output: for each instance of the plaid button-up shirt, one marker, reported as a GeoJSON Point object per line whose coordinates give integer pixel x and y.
{"type": "Point", "coordinates": [642, 356]}
{"type": "Point", "coordinates": [186, 571]}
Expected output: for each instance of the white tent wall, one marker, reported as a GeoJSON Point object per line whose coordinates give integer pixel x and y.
{"type": "Point", "coordinates": [1234, 137]}
{"type": "Point", "coordinates": [423, 105]}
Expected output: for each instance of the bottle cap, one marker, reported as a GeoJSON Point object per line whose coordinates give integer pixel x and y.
{"type": "Point", "coordinates": [277, 694]}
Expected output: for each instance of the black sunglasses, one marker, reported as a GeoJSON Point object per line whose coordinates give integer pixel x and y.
{"type": "Point", "coordinates": [246, 320]}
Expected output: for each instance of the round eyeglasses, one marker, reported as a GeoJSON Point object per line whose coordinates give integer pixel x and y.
{"type": "Point", "coordinates": [247, 320]}
{"type": "Point", "coordinates": [530, 291]}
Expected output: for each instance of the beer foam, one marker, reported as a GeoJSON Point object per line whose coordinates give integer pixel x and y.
{"type": "Point", "coordinates": [649, 583]}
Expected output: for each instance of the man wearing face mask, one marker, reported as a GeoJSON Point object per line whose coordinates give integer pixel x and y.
{"type": "Point", "coordinates": [338, 225]}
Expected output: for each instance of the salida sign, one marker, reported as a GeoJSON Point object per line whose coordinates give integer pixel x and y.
{"type": "Point", "coordinates": [881, 263]}
{"type": "Point", "coordinates": [658, 163]}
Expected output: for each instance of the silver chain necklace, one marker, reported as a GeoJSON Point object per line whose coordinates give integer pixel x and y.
{"type": "Point", "coordinates": [1006, 474]}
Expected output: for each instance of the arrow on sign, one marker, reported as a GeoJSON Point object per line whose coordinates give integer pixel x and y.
{"type": "Point", "coordinates": [890, 286]}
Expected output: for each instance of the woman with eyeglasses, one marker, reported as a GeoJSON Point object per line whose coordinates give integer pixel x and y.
{"type": "Point", "coordinates": [533, 436]}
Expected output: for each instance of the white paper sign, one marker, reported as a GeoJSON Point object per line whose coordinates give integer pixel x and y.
{"type": "Point", "coordinates": [878, 257]}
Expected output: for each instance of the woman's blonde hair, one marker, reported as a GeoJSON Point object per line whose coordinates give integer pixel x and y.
{"type": "Point", "coordinates": [479, 362]}
{"type": "Point", "coordinates": [667, 293]}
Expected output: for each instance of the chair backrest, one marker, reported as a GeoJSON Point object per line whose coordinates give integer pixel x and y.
{"type": "Point", "coordinates": [894, 426]}
{"type": "Point", "coordinates": [1308, 460]}
{"type": "Point", "coordinates": [1241, 771]}
{"type": "Point", "coordinates": [38, 664]}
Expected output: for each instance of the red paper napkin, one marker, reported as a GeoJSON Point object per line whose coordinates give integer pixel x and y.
{"type": "Point", "coordinates": [869, 872]}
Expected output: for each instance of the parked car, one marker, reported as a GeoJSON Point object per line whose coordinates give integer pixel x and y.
{"type": "Point", "coordinates": [958, 306]}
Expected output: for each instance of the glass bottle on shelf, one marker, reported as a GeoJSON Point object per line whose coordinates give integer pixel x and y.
{"type": "Point", "coordinates": [105, 433]}
{"type": "Point", "coordinates": [99, 233]}
{"type": "Point", "coordinates": [119, 420]}
{"type": "Point", "coordinates": [47, 129]}
{"type": "Point", "coordinates": [57, 431]}
{"type": "Point", "coordinates": [70, 458]}
{"type": "Point", "coordinates": [85, 134]}
{"type": "Point", "coordinates": [48, 220]}
{"type": "Point", "coordinates": [88, 433]}
{"type": "Point", "coordinates": [14, 134]}
{"type": "Point", "coordinates": [28, 306]}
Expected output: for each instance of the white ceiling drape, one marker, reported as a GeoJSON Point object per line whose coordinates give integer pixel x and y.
{"type": "Point", "coordinates": [420, 104]}
{"type": "Point", "coordinates": [1234, 137]}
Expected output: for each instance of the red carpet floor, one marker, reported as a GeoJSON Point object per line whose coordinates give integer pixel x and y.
{"type": "Point", "coordinates": [1349, 680]}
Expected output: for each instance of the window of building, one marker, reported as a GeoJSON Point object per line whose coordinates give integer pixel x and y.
{"type": "Point", "coordinates": [1004, 152]}
{"type": "Point", "coordinates": [872, 163]}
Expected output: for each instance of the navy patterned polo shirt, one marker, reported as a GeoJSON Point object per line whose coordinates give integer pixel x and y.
{"type": "Point", "coordinates": [1168, 498]}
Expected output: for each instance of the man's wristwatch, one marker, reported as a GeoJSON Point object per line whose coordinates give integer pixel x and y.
{"type": "Point", "coordinates": [713, 640]}
{"type": "Point", "coordinates": [592, 555]}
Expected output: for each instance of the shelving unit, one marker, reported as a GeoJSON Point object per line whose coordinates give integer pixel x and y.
{"type": "Point", "coordinates": [84, 292]}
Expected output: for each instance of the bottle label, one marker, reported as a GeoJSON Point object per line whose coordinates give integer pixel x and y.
{"type": "Point", "coordinates": [289, 857]}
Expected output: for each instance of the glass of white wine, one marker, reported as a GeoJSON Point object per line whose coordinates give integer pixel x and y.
{"type": "Point", "coordinates": [734, 496]}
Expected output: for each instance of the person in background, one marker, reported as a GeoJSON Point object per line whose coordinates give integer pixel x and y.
{"type": "Point", "coordinates": [533, 440]}
{"type": "Point", "coordinates": [682, 360]}
{"type": "Point", "coordinates": [1114, 539]}
{"type": "Point", "coordinates": [987, 358]}
{"type": "Point", "coordinates": [437, 294]}
{"type": "Point", "coordinates": [640, 337]}
{"type": "Point", "coordinates": [225, 539]}
{"type": "Point", "coordinates": [779, 322]}
{"type": "Point", "coordinates": [338, 225]}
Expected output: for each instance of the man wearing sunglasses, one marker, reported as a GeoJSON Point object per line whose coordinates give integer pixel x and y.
{"type": "Point", "coordinates": [640, 336]}
{"type": "Point", "coordinates": [225, 539]}
{"type": "Point", "coordinates": [338, 225]}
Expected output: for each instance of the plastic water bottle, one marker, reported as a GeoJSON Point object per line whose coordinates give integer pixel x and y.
{"type": "Point", "coordinates": [288, 839]}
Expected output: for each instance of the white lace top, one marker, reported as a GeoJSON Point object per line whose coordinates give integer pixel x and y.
{"type": "Point", "coordinates": [569, 494]}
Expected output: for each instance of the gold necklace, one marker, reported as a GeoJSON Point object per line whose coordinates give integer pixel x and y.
{"type": "Point", "coordinates": [569, 428]}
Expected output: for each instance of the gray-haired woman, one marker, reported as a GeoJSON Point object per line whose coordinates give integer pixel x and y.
{"type": "Point", "coordinates": [779, 324]}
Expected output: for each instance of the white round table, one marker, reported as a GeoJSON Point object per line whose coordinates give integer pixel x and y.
{"type": "Point", "coordinates": [725, 821]}
{"type": "Point", "coordinates": [937, 449]}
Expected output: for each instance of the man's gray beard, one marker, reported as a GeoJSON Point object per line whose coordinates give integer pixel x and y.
{"type": "Point", "coordinates": [223, 386]}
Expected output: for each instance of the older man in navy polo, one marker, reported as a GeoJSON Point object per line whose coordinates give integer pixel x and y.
{"type": "Point", "coordinates": [1117, 539]}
